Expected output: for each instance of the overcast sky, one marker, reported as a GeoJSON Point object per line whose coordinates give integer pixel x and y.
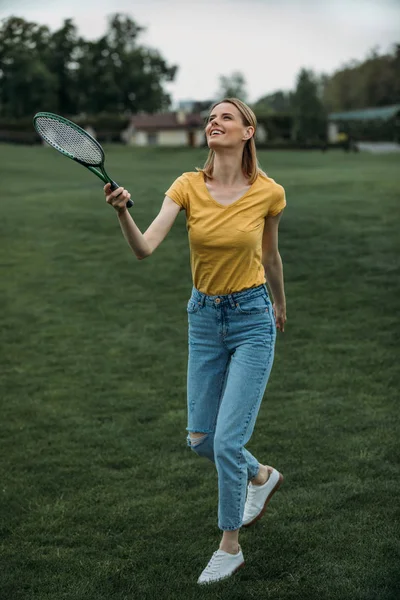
{"type": "Point", "coordinates": [268, 40]}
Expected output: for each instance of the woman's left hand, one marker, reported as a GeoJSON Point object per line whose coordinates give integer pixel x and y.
{"type": "Point", "coordinates": [280, 317]}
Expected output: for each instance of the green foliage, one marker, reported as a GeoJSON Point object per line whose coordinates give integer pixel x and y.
{"type": "Point", "coordinates": [278, 102]}
{"type": "Point", "coordinates": [23, 124]}
{"type": "Point", "coordinates": [309, 119]}
{"type": "Point", "coordinates": [278, 126]}
{"type": "Point", "coordinates": [232, 86]}
{"type": "Point", "coordinates": [62, 73]}
{"type": "Point", "coordinates": [298, 115]}
{"type": "Point", "coordinates": [378, 131]}
{"type": "Point", "coordinates": [25, 76]}
{"type": "Point", "coordinates": [107, 127]}
{"type": "Point", "coordinates": [370, 83]}
{"type": "Point", "coordinates": [63, 50]}
{"type": "Point", "coordinates": [109, 121]}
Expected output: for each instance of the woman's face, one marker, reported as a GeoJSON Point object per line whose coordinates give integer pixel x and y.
{"type": "Point", "coordinates": [225, 128]}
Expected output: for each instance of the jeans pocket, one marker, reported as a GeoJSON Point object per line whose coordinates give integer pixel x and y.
{"type": "Point", "coordinates": [253, 306]}
{"type": "Point", "coordinates": [192, 306]}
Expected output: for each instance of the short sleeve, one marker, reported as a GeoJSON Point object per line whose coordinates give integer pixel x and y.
{"type": "Point", "coordinates": [178, 192]}
{"type": "Point", "coordinates": [278, 203]}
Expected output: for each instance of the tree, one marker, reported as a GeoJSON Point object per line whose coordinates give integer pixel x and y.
{"type": "Point", "coordinates": [309, 119]}
{"type": "Point", "coordinates": [395, 63]}
{"type": "Point", "coordinates": [233, 86]}
{"type": "Point", "coordinates": [116, 74]}
{"type": "Point", "coordinates": [25, 79]}
{"type": "Point", "coordinates": [372, 82]}
{"type": "Point", "coordinates": [277, 102]}
{"type": "Point", "coordinates": [62, 73]}
{"type": "Point", "coordinates": [62, 51]}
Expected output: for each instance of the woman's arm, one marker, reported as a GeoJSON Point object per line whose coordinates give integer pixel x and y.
{"type": "Point", "coordinates": [272, 263]}
{"type": "Point", "coordinates": [143, 245]}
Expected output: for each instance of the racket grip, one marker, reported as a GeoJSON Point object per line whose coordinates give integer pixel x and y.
{"type": "Point", "coordinates": [115, 186]}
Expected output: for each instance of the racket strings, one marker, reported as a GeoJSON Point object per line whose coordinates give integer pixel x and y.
{"type": "Point", "coordinates": [66, 139]}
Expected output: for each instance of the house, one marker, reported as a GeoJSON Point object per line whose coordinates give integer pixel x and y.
{"type": "Point", "coordinates": [369, 124]}
{"type": "Point", "coordinates": [179, 128]}
{"type": "Point", "coordinates": [166, 129]}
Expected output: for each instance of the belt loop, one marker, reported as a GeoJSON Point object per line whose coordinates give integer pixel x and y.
{"type": "Point", "coordinates": [200, 296]}
{"type": "Point", "coordinates": [231, 301]}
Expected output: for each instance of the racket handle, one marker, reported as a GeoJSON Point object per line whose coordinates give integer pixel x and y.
{"type": "Point", "coordinates": [115, 186]}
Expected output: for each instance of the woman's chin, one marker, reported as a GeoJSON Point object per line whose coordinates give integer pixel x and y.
{"type": "Point", "coordinates": [214, 143]}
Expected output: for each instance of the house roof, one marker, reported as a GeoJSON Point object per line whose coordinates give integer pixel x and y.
{"type": "Point", "coordinates": [383, 113]}
{"type": "Point", "coordinates": [171, 120]}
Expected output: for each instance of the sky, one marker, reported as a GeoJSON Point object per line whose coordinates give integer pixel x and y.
{"type": "Point", "coordinates": [269, 41]}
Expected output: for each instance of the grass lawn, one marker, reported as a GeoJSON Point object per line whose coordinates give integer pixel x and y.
{"type": "Point", "coordinates": [101, 499]}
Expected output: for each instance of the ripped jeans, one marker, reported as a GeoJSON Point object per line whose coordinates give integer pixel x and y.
{"type": "Point", "coordinates": [231, 351]}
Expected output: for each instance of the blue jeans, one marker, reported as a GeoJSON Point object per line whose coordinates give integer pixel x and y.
{"type": "Point", "coordinates": [231, 351]}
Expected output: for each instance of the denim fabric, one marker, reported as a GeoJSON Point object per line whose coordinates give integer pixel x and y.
{"type": "Point", "coordinates": [231, 350]}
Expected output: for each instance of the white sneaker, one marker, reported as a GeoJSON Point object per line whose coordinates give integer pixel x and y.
{"type": "Point", "coordinates": [258, 497]}
{"type": "Point", "coordinates": [221, 566]}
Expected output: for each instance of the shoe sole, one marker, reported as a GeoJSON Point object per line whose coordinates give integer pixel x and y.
{"type": "Point", "coordinates": [223, 578]}
{"type": "Point", "coordinates": [264, 508]}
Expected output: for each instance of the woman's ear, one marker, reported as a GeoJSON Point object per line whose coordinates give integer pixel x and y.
{"type": "Point", "coordinates": [249, 133]}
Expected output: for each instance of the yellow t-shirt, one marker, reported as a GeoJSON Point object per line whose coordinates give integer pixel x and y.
{"type": "Point", "coordinates": [226, 241]}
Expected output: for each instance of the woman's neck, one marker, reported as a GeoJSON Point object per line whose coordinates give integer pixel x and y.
{"type": "Point", "coordinates": [228, 169]}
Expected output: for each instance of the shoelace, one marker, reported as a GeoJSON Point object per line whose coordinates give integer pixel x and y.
{"type": "Point", "coordinates": [213, 564]}
{"type": "Point", "coordinates": [250, 494]}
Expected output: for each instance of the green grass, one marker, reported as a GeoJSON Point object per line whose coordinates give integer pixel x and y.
{"type": "Point", "coordinates": [100, 496]}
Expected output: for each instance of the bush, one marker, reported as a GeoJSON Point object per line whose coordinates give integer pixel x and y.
{"type": "Point", "coordinates": [108, 128]}
{"type": "Point", "coordinates": [103, 122]}
{"type": "Point", "coordinates": [290, 145]}
{"type": "Point", "coordinates": [18, 125]}
{"type": "Point", "coordinates": [277, 126]}
{"type": "Point", "coordinates": [19, 137]}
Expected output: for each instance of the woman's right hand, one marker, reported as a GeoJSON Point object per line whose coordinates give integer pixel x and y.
{"type": "Point", "coordinates": [118, 198]}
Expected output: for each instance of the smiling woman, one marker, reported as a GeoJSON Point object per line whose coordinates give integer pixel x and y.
{"type": "Point", "coordinates": [227, 121]}
{"type": "Point", "coordinates": [232, 213]}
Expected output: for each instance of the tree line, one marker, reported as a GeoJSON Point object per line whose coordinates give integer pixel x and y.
{"type": "Point", "coordinates": [302, 112]}
{"type": "Point", "coordinates": [62, 70]}
{"type": "Point", "coordinates": [117, 75]}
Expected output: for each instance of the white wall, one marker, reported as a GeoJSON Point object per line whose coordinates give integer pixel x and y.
{"type": "Point", "coordinates": [139, 138]}
{"type": "Point", "coordinates": [176, 137]}
{"type": "Point", "coordinates": [333, 131]}
{"type": "Point", "coordinates": [199, 138]}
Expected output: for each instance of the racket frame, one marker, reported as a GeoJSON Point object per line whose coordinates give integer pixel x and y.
{"type": "Point", "coordinates": [102, 174]}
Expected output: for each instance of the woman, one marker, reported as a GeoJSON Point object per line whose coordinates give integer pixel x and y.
{"type": "Point", "coordinates": [233, 211]}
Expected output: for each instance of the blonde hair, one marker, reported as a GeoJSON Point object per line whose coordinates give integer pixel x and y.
{"type": "Point", "coordinates": [250, 166]}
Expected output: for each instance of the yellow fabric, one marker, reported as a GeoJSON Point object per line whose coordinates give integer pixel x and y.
{"type": "Point", "coordinates": [226, 241]}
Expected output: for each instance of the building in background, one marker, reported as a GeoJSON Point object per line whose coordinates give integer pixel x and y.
{"type": "Point", "coordinates": [380, 124]}
{"type": "Point", "coordinates": [166, 129]}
